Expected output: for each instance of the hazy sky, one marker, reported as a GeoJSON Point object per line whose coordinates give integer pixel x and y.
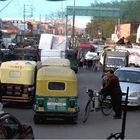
{"type": "Point", "coordinates": [41, 8]}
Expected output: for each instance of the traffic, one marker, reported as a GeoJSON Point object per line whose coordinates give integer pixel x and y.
{"type": "Point", "coordinates": [54, 73]}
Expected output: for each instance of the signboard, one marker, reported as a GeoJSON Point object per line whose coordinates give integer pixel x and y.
{"type": "Point", "coordinates": [121, 30]}
{"type": "Point", "coordinates": [93, 11]}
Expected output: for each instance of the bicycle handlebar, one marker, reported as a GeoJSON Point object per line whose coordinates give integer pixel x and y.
{"type": "Point", "coordinates": [115, 136]}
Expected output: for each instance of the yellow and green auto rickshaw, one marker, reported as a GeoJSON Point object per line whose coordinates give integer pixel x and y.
{"type": "Point", "coordinates": [56, 94]}
{"type": "Point", "coordinates": [56, 62]}
{"type": "Point", "coordinates": [18, 81]}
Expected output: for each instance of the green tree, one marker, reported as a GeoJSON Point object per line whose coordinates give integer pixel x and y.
{"type": "Point", "coordinates": [129, 14]}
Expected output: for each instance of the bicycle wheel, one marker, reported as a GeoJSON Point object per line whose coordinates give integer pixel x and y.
{"type": "Point", "coordinates": [87, 111]}
{"type": "Point", "coordinates": [106, 106]}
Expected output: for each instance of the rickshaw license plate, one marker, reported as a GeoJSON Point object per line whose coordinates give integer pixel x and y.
{"type": "Point", "coordinates": [56, 104]}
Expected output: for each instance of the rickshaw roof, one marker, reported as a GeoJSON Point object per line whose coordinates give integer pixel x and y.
{"type": "Point", "coordinates": [56, 62]}
{"type": "Point", "coordinates": [84, 45]}
{"type": "Point", "coordinates": [56, 72]}
{"type": "Point", "coordinates": [18, 63]}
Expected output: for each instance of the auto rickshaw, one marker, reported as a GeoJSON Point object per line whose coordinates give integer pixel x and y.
{"type": "Point", "coordinates": [18, 81]}
{"type": "Point", "coordinates": [54, 62]}
{"type": "Point", "coordinates": [71, 54]}
{"type": "Point", "coordinates": [56, 94]}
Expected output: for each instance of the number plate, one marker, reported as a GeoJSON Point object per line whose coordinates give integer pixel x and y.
{"type": "Point", "coordinates": [56, 104]}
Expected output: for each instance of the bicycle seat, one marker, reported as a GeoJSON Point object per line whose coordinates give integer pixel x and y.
{"type": "Point", "coordinates": [89, 91]}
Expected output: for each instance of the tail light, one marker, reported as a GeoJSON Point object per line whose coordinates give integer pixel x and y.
{"type": "Point", "coordinates": [41, 103]}
{"type": "Point", "coordinates": [72, 103]}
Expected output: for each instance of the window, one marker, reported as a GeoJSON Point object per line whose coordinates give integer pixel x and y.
{"type": "Point", "coordinates": [115, 61]}
{"type": "Point", "coordinates": [56, 86]}
{"type": "Point", "coordinates": [128, 76]}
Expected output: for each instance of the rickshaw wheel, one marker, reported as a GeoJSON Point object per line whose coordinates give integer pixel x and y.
{"type": "Point", "coordinates": [72, 120]}
{"type": "Point", "coordinates": [37, 120]}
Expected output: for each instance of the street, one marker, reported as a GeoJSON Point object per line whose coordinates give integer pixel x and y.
{"type": "Point", "coordinates": [97, 126]}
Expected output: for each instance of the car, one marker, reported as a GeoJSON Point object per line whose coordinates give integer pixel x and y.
{"type": "Point", "coordinates": [130, 77]}
{"type": "Point", "coordinates": [11, 128]}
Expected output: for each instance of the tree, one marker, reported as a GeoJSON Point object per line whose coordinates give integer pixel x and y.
{"type": "Point", "coordinates": [129, 14]}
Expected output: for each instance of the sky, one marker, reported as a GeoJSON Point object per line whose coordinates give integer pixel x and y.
{"type": "Point", "coordinates": [42, 8]}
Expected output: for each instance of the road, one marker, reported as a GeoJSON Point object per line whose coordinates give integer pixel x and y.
{"type": "Point", "coordinates": [97, 126]}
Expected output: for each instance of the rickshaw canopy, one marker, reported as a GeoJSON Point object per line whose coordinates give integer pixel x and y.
{"type": "Point", "coordinates": [56, 81]}
{"type": "Point", "coordinates": [56, 62]}
{"type": "Point", "coordinates": [18, 72]}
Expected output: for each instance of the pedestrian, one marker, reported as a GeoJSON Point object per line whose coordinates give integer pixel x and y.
{"type": "Point", "coordinates": [121, 41]}
{"type": "Point", "coordinates": [113, 89]}
{"type": "Point", "coordinates": [97, 62]}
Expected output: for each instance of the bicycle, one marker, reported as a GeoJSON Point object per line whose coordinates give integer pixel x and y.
{"type": "Point", "coordinates": [96, 102]}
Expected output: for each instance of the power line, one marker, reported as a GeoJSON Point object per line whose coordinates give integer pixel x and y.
{"type": "Point", "coordinates": [6, 6]}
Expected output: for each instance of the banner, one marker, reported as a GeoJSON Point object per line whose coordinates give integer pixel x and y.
{"type": "Point", "coordinates": [121, 30]}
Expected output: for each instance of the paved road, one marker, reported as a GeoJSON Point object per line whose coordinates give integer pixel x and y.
{"type": "Point", "coordinates": [97, 126]}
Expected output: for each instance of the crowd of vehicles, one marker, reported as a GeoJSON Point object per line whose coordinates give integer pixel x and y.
{"type": "Point", "coordinates": [50, 86]}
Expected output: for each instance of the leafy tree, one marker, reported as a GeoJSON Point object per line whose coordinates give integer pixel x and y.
{"type": "Point", "coordinates": [129, 14]}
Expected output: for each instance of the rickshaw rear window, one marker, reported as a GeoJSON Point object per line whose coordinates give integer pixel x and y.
{"type": "Point", "coordinates": [56, 86]}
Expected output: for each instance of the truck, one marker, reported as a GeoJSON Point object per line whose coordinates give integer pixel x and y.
{"type": "Point", "coordinates": [52, 46]}
{"type": "Point", "coordinates": [115, 59]}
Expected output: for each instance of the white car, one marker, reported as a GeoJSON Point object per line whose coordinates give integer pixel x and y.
{"type": "Point", "coordinates": [130, 77]}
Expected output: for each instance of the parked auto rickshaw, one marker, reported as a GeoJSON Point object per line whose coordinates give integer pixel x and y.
{"type": "Point", "coordinates": [18, 81]}
{"type": "Point", "coordinates": [71, 54]}
{"type": "Point", "coordinates": [56, 94]}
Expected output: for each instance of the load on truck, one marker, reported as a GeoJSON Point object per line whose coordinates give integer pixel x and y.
{"type": "Point", "coordinates": [52, 46]}
{"type": "Point", "coordinates": [115, 59]}
{"type": "Point", "coordinates": [134, 55]}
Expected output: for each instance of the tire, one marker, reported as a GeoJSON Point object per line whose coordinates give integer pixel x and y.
{"type": "Point", "coordinates": [106, 106]}
{"type": "Point", "coordinates": [36, 119]}
{"type": "Point", "coordinates": [87, 111]}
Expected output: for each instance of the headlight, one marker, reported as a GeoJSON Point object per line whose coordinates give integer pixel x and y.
{"type": "Point", "coordinates": [135, 94]}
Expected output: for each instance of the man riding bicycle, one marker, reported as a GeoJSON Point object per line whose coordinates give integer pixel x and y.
{"type": "Point", "coordinates": [113, 89]}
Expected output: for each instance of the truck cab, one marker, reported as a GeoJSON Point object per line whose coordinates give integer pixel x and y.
{"type": "Point", "coordinates": [115, 59]}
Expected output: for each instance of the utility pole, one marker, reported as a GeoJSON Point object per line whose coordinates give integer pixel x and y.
{"type": "Point", "coordinates": [73, 27]}
{"type": "Point", "coordinates": [27, 13]}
